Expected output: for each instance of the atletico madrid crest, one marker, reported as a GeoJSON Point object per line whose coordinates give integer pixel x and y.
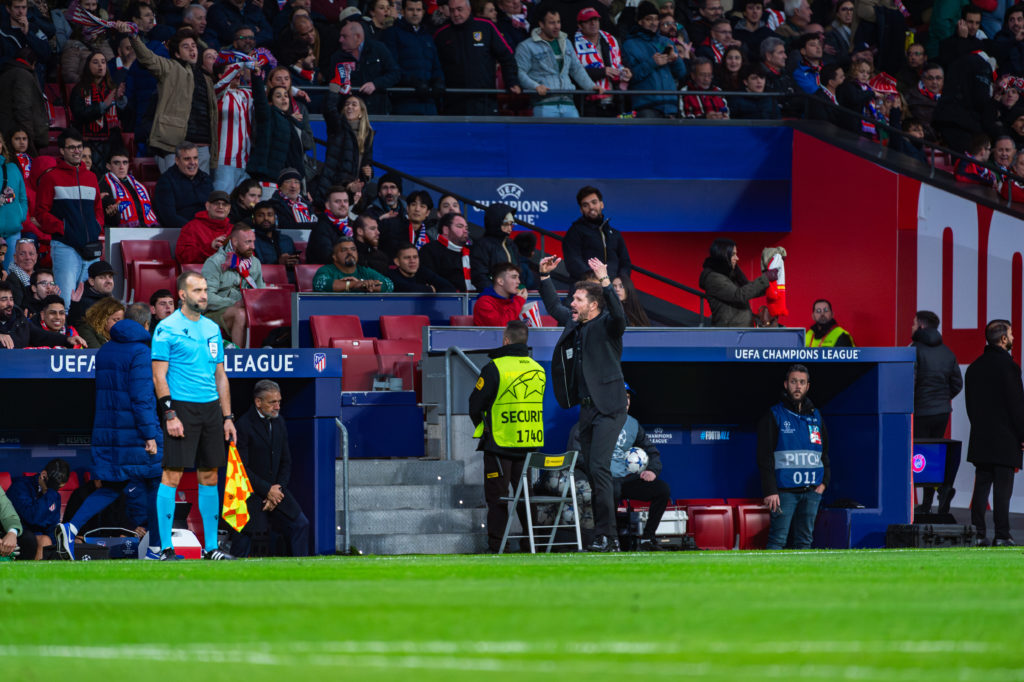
{"type": "Point", "coordinates": [478, 36]}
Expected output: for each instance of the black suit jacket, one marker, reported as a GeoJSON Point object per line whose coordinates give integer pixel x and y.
{"type": "Point", "coordinates": [602, 352]}
{"type": "Point", "coordinates": [267, 459]}
{"type": "Point", "coordinates": [995, 406]}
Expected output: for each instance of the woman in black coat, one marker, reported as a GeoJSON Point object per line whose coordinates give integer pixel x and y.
{"type": "Point", "coordinates": [349, 144]}
{"type": "Point", "coordinates": [276, 139]}
{"type": "Point", "coordinates": [95, 103]}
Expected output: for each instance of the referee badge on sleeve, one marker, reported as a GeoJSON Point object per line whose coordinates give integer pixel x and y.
{"type": "Point", "coordinates": [212, 345]}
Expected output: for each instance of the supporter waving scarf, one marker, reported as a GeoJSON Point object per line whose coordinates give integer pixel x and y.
{"type": "Point", "coordinates": [109, 121]}
{"type": "Point", "coordinates": [773, 258]}
{"type": "Point", "coordinates": [125, 205]}
{"type": "Point", "coordinates": [464, 252]}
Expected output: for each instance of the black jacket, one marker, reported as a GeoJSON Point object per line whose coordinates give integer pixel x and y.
{"type": "Point", "coordinates": [177, 199]}
{"type": "Point", "coordinates": [601, 353]}
{"type": "Point", "coordinates": [493, 248]}
{"type": "Point", "coordinates": [585, 240]}
{"type": "Point", "coordinates": [937, 378]}
{"type": "Point", "coordinates": [322, 239]}
{"type": "Point", "coordinates": [373, 257]}
{"type": "Point", "coordinates": [275, 141]}
{"type": "Point", "coordinates": [25, 333]}
{"type": "Point", "coordinates": [768, 436]}
{"type": "Point", "coordinates": [421, 283]}
{"type": "Point", "coordinates": [375, 64]}
{"type": "Point", "coordinates": [469, 62]}
{"type": "Point", "coordinates": [77, 311]}
{"type": "Point", "coordinates": [267, 458]}
{"type": "Point", "coordinates": [995, 406]}
{"type": "Point", "coordinates": [270, 247]}
{"type": "Point", "coordinates": [485, 391]}
{"type": "Point", "coordinates": [342, 160]}
{"type": "Point", "coordinates": [444, 262]}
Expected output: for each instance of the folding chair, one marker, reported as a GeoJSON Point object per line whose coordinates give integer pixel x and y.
{"type": "Point", "coordinates": [541, 461]}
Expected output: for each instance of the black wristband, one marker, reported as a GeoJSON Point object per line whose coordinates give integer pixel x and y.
{"type": "Point", "coordinates": [162, 405]}
{"type": "Point", "coordinates": [229, 416]}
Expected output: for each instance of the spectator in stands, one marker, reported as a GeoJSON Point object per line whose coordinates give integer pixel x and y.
{"type": "Point", "coordinates": [719, 39]}
{"type": "Point", "coordinates": [995, 407]}
{"type": "Point", "coordinates": [265, 453]}
{"type": "Point", "coordinates": [911, 142]}
{"type": "Point", "coordinates": [277, 144]}
{"type": "Point", "coordinates": [99, 319]}
{"type": "Point", "coordinates": [367, 237]}
{"type": "Point", "coordinates": [417, 58]}
{"type": "Point", "coordinates": [161, 304]}
{"type": "Point", "coordinates": [98, 285]}
{"type": "Point", "coordinates": [20, 271]}
{"type": "Point", "coordinates": [281, 77]}
{"type": "Point", "coordinates": [293, 211]}
{"type": "Point", "coordinates": [465, 65]}
{"type": "Point", "coordinates": [966, 107]}
{"type": "Point", "coordinates": [654, 63]}
{"type": "Point", "coordinates": [243, 201]}
{"type": "Point", "coordinates": [21, 151]}
{"type": "Point", "coordinates": [331, 225]}
{"type": "Point", "coordinates": [126, 201]}
{"type": "Point", "coordinates": [924, 96]}
{"type": "Point", "coordinates": [53, 318]}
{"type": "Point", "coordinates": [379, 14]}
{"type": "Point", "coordinates": [807, 74]}
{"type": "Point", "coordinates": [41, 286]}
{"type": "Point", "coordinates": [235, 118]}
{"type": "Point", "coordinates": [207, 232]}
{"type": "Point", "coordinates": [448, 203]}
{"type": "Point", "coordinates": [591, 236]}
{"type": "Point", "coordinates": [547, 61]}
{"type": "Point", "coordinates": [12, 532]}
{"type": "Point", "coordinates": [16, 331]}
{"type": "Point", "coordinates": [973, 170]}
{"type": "Point", "coordinates": [598, 52]}
{"type": "Point", "coordinates": [449, 255]}
{"type": "Point", "coordinates": [127, 443]}
{"type": "Point", "coordinates": [937, 380]}
{"type": "Point", "coordinates": [227, 16]}
{"type": "Point", "coordinates": [754, 79]}
{"type": "Point", "coordinates": [708, 11]}
{"type": "Point", "coordinates": [410, 228]}
{"type": "Point", "coordinates": [364, 67]}
{"type": "Point", "coordinates": [512, 22]}
{"type": "Point", "coordinates": [182, 191]}
{"type": "Point", "coordinates": [24, 29]}
{"type": "Point", "coordinates": [636, 316]}
{"type": "Point", "coordinates": [798, 16]}
{"type": "Point", "coordinates": [272, 245]}
{"type": "Point", "coordinates": [96, 102]}
{"type": "Point", "coordinates": [966, 39]}
{"type": "Point", "coordinates": [13, 201]}
{"type": "Point", "coordinates": [752, 29]}
{"type": "Point", "coordinates": [710, 107]}
{"type": "Point", "coordinates": [729, 72]}
{"type": "Point", "coordinates": [1009, 42]}
{"type": "Point", "coordinates": [1003, 153]}
{"type": "Point", "coordinates": [231, 269]}
{"type": "Point", "coordinates": [526, 245]}
{"type": "Point", "coordinates": [826, 331]}
{"type": "Point", "coordinates": [490, 406]}
{"type": "Point", "coordinates": [69, 208]}
{"type": "Point", "coordinates": [186, 109]}
{"type": "Point", "coordinates": [409, 276]}
{"type": "Point", "coordinates": [773, 58]}
{"type": "Point", "coordinates": [793, 493]}
{"type": "Point", "coordinates": [195, 18]}
{"type": "Point", "coordinates": [349, 151]}
{"type": "Point", "coordinates": [838, 40]}
{"type": "Point", "coordinates": [501, 302]}
{"type": "Point", "coordinates": [344, 273]}
{"type": "Point", "coordinates": [496, 246]}
{"type": "Point", "coordinates": [728, 290]}
{"type": "Point", "coordinates": [37, 502]}
{"type": "Point", "coordinates": [24, 106]}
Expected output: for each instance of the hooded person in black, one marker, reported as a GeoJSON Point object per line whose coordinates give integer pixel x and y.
{"type": "Point", "coordinates": [966, 107]}
{"type": "Point", "coordinates": [495, 246]}
{"type": "Point", "coordinates": [592, 237]}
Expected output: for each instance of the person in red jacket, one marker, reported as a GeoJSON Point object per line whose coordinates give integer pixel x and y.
{"type": "Point", "coordinates": [208, 231]}
{"type": "Point", "coordinates": [503, 301]}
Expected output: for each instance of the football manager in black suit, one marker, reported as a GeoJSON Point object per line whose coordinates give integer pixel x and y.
{"type": "Point", "coordinates": [263, 447]}
{"type": "Point", "coordinates": [995, 406]}
{"type": "Point", "coordinates": [586, 371]}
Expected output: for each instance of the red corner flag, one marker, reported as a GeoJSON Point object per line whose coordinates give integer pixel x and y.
{"type": "Point", "coordinates": [236, 490]}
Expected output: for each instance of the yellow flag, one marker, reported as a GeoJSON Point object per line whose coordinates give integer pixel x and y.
{"type": "Point", "coordinates": [237, 489]}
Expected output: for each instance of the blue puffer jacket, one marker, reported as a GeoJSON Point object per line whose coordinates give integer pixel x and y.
{"type": "Point", "coordinates": [638, 54]}
{"type": "Point", "coordinates": [416, 54]}
{"type": "Point", "coordinates": [125, 407]}
{"type": "Point", "coordinates": [12, 215]}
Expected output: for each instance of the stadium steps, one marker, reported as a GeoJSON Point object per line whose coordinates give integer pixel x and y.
{"type": "Point", "coordinates": [415, 506]}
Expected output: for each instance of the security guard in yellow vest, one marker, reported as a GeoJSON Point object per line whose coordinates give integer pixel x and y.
{"type": "Point", "coordinates": [826, 331]}
{"type": "Point", "coordinates": [507, 407]}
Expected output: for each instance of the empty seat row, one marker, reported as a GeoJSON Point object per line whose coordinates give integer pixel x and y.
{"type": "Point", "coordinates": [325, 328]}
{"type": "Point", "coordinates": [365, 359]}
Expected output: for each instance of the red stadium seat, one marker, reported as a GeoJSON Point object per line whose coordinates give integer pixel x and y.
{"type": "Point", "coordinates": [700, 501]}
{"type": "Point", "coordinates": [548, 321]}
{"type": "Point", "coordinates": [400, 358]}
{"type": "Point", "coordinates": [304, 276]}
{"type": "Point", "coordinates": [326, 328]}
{"type": "Point", "coordinates": [712, 526]}
{"type": "Point", "coordinates": [754, 521]}
{"type": "Point", "coordinates": [358, 363]}
{"type": "Point", "coordinates": [144, 169]}
{"type": "Point", "coordinates": [193, 267]}
{"type": "Point", "coordinates": [275, 274]}
{"type": "Point", "coordinates": [66, 490]}
{"type": "Point", "coordinates": [403, 326]}
{"type": "Point", "coordinates": [5, 480]}
{"type": "Point", "coordinates": [461, 320]}
{"type": "Point", "coordinates": [265, 311]}
{"type": "Point", "coordinates": [735, 503]}
{"type": "Point", "coordinates": [135, 251]}
{"type": "Point", "coordinates": [150, 186]}
{"type": "Point", "coordinates": [149, 277]}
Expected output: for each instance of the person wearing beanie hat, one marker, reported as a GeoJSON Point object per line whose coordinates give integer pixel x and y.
{"type": "Point", "coordinates": [388, 203]}
{"type": "Point", "coordinates": [293, 210]}
{"type": "Point", "coordinates": [655, 65]}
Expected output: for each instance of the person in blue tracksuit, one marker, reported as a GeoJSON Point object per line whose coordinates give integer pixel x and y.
{"type": "Point", "coordinates": [37, 502]}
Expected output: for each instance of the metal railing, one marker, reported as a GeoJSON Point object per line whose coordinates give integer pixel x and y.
{"type": "Point", "coordinates": [346, 542]}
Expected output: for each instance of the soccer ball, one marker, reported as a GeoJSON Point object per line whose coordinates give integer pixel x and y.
{"type": "Point", "coordinates": [636, 460]}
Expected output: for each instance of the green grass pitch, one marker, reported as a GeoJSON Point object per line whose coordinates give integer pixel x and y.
{"type": "Point", "coordinates": [909, 615]}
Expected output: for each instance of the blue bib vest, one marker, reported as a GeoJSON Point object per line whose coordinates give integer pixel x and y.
{"type": "Point", "coordinates": [798, 450]}
{"type": "Point", "coordinates": [626, 439]}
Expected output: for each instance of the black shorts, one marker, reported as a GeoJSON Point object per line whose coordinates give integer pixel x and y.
{"type": "Point", "coordinates": [203, 446]}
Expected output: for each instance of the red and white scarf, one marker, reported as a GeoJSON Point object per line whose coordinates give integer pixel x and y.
{"type": "Point", "coordinates": [300, 209]}
{"type": "Point", "coordinates": [716, 49]}
{"type": "Point", "coordinates": [25, 163]}
{"type": "Point", "coordinates": [340, 223]}
{"type": "Point", "coordinates": [464, 252]}
{"type": "Point", "coordinates": [243, 266]}
{"type": "Point", "coordinates": [831, 97]}
{"type": "Point", "coordinates": [305, 74]}
{"type": "Point", "coordinates": [928, 93]}
{"type": "Point", "coordinates": [125, 205]}
{"type": "Point", "coordinates": [95, 94]}
{"type": "Point", "coordinates": [591, 55]}
{"type": "Point", "coordinates": [343, 76]}
{"type": "Point", "coordinates": [419, 238]}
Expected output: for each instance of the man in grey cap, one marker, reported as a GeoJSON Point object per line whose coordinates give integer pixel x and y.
{"type": "Point", "coordinates": [99, 285]}
{"type": "Point", "coordinates": [293, 209]}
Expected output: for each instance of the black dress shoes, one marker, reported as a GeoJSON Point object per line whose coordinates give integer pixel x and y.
{"type": "Point", "coordinates": [647, 545]}
{"type": "Point", "coordinates": [1004, 542]}
{"type": "Point", "coordinates": [603, 543]}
